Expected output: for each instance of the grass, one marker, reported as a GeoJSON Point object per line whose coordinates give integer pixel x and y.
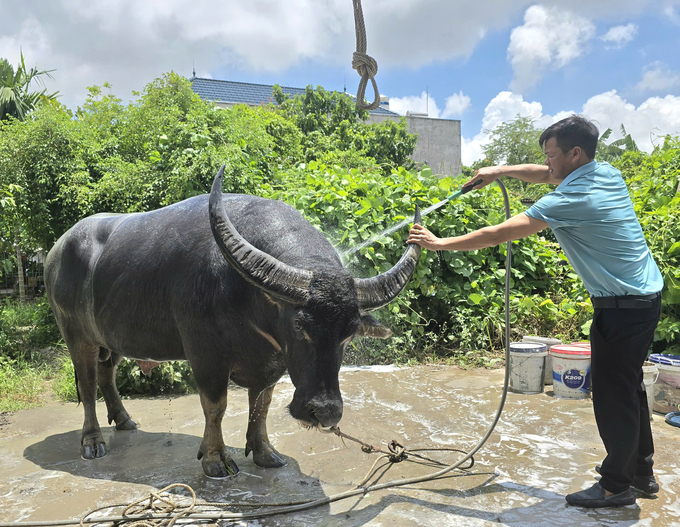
{"type": "Point", "coordinates": [22, 385]}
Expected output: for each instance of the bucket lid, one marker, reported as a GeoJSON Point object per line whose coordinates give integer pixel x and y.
{"type": "Point", "coordinates": [570, 349]}
{"type": "Point", "coordinates": [668, 360]}
{"type": "Point", "coordinates": [583, 344]}
{"type": "Point", "coordinates": [673, 418]}
{"type": "Point", "coordinates": [543, 340]}
{"type": "Point", "coordinates": [528, 347]}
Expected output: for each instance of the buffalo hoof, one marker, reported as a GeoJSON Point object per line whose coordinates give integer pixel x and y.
{"type": "Point", "coordinates": [93, 448]}
{"type": "Point", "coordinates": [129, 424]}
{"type": "Point", "coordinates": [266, 457]}
{"type": "Point", "coordinates": [224, 468]}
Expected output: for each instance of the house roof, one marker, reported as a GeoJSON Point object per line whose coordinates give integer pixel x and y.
{"type": "Point", "coordinates": [233, 92]}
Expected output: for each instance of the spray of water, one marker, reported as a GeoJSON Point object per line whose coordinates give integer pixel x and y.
{"type": "Point", "coordinates": [392, 229]}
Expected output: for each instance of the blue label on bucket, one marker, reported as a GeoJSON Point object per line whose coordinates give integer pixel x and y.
{"type": "Point", "coordinates": [574, 379]}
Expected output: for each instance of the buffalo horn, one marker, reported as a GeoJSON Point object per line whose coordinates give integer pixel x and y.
{"type": "Point", "coordinates": [376, 292]}
{"type": "Point", "coordinates": [257, 267]}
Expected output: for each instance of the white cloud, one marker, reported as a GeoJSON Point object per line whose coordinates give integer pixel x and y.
{"type": "Point", "coordinates": [657, 76]}
{"type": "Point", "coordinates": [549, 38]}
{"type": "Point", "coordinates": [128, 43]}
{"type": "Point", "coordinates": [456, 105]}
{"type": "Point", "coordinates": [506, 106]}
{"type": "Point", "coordinates": [654, 118]}
{"type": "Point", "coordinates": [618, 36]}
{"type": "Point", "coordinates": [672, 14]}
{"type": "Point", "coordinates": [647, 123]}
{"type": "Point", "coordinates": [415, 104]}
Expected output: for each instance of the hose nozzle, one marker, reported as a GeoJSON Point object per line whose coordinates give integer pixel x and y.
{"type": "Point", "coordinates": [464, 190]}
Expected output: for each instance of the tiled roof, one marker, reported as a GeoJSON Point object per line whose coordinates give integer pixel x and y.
{"type": "Point", "coordinates": [248, 93]}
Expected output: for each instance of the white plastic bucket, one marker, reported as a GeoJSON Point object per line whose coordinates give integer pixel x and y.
{"type": "Point", "coordinates": [667, 385]}
{"type": "Point", "coordinates": [571, 371]}
{"type": "Point", "coordinates": [527, 367]}
{"type": "Point", "coordinates": [650, 373]}
{"type": "Point", "coordinates": [548, 360]}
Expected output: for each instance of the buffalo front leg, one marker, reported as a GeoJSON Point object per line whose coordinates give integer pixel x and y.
{"type": "Point", "coordinates": [106, 373]}
{"type": "Point", "coordinates": [257, 440]}
{"type": "Point", "coordinates": [84, 359]}
{"type": "Point", "coordinates": [216, 461]}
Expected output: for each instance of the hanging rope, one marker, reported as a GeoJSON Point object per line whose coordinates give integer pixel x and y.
{"type": "Point", "coordinates": [365, 65]}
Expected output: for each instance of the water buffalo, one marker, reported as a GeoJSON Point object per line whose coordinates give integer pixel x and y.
{"type": "Point", "coordinates": [263, 293]}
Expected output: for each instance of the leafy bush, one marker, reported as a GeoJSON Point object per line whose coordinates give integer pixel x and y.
{"type": "Point", "coordinates": [654, 184]}
{"type": "Point", "coordinates": [25, 329]}
{"type": "Point", "coordinates": [168, 377]}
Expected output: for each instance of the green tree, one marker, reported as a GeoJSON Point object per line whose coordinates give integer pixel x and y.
{"type": "Point", "coordinates": [16, 97]}
{"type": "Point", "coordinates": [10, 229]}
{"type": "Point", "coordinates": [334, 131]}
{"type": "Point", "coordinates": [515, 143]}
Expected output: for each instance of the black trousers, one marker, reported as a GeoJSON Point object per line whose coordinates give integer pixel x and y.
{"type": "Point", "coordinates": [620, 339]}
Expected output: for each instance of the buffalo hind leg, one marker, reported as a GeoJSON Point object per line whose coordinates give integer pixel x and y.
{"type": "Point", "coordinates": [84, 359]}
{"type": "Point", "coordinates": [216, 461]}
{"type": "Point", "coordinates": [106, 373]}
{"type": "Point", "coordinates": [257, 440]}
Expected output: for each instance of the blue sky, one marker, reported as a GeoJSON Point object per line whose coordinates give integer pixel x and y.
{"type": "Point", "coordinates": [616, 61]}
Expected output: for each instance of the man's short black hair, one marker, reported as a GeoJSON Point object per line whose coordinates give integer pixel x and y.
{"type": "Point", "coordinates": [573, 131]}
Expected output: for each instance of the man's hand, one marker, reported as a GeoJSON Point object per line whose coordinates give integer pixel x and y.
{"type": "Point", "coordinates": [487, 175]}
{"type": "Point", "coordinates": [421, 236]}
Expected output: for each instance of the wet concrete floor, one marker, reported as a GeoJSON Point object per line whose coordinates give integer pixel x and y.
{"type": "Point", "coordinates": [542, 449]}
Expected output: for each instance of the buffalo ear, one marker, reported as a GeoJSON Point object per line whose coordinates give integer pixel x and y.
{"type": "Point", "coordinates": [370, 327]}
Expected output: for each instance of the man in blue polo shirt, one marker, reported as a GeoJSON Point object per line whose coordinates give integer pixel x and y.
{"type": "Point", "coordinates": [593, 219]}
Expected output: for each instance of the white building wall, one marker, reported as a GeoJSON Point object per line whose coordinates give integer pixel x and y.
{"type": "Point", "coordinates": [439, 142]}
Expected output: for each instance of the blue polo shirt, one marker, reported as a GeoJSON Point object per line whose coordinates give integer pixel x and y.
{"type": "Point", "coordinates": [593, 219]}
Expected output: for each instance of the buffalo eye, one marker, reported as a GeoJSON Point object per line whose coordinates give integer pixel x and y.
{"type": "Point", "coordinates": [301, 322]}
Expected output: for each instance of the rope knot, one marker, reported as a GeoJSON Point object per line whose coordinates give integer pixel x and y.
{"type": "Point", "coordinates": [398, 452]}
{"type": "Point", "coordinates": [365, 65]}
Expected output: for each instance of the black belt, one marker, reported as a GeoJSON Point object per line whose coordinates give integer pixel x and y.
{"type": "Point", "coordinates": [624, 302]}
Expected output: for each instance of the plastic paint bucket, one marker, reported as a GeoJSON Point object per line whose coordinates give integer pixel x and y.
{"type": "Point", "coordinates": [548, 360]}
{"type": "Point", "coordinates": [527, 367]}
{"type": "Point", "coordinates": [667, 385]}
{"type": "Point", "coordinates": [650, 374]}
{"type": "Point", "coordinates": [571, 371]}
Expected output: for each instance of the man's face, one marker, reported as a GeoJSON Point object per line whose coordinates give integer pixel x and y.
{"type": "Point", "coordinates": [559, 163]}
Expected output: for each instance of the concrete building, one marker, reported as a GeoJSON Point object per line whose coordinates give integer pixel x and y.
{"type": "Point", "coordinates": [439, 140]}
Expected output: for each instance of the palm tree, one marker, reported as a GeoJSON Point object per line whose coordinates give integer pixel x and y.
{"type": "Point", "coordinates": [615, 149]}
{"type": "Point", "coordinates": [15, 98]}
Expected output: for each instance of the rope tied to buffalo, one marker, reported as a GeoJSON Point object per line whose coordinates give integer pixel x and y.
{"type": "Point", "coordinates": [160, 509]}
{"type": "Point", "coordinates": [366, 66]}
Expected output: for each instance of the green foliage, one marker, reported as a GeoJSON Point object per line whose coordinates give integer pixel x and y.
{"type": "Point", "coordinates": [333, 131]}
{"type": "Point", "coordinates": [168, 377]}
{"type": "Point", "coordinates": [614, 150]}
{"type": "Point", "coordinates": [167, 145]}
{"type": "Point", "coordinates": [64, 379]}
{"type": "Point", "coordinates": [25, 329]}
{"type": "Point", "coordinates": [654, 184]}
{"type": "Point", "coordinates": [21, 384]}
{"type": "Point", "coordinates": [515, 143]}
